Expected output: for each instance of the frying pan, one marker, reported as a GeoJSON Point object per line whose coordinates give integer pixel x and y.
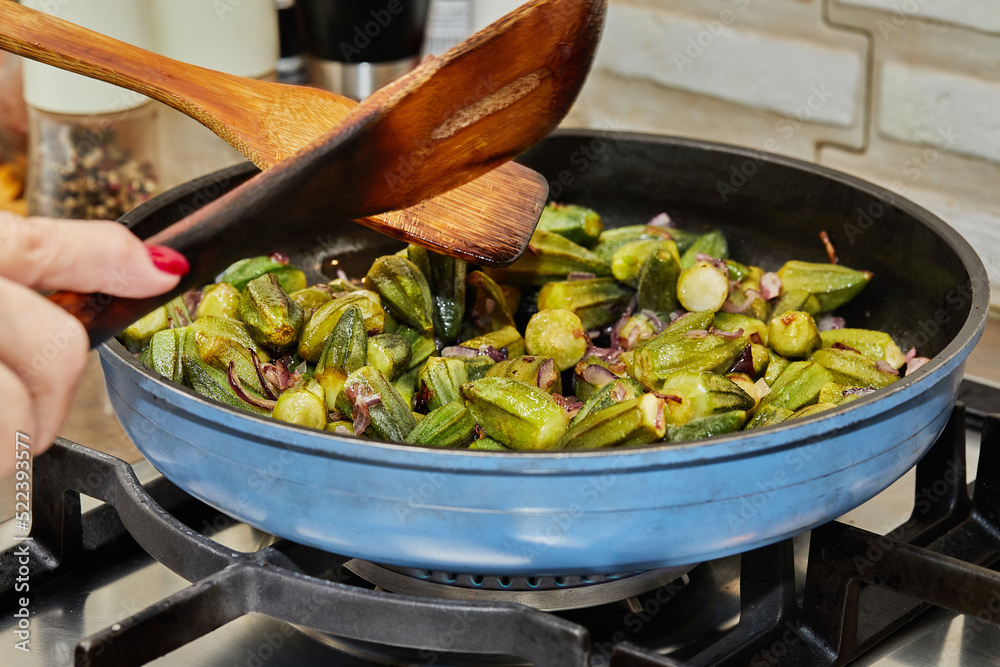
{"type": "Point", "coordinates": [523, 513]}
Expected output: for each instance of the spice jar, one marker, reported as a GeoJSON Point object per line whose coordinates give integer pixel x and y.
{"type": "Point", "coordinates": [91, 166]}
{"type": "Point", "coordinates": [238, 38]}
{"type": "Point", "coordinates": [92, 147]}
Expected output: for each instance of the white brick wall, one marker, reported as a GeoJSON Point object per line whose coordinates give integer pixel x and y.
{"type": "Point", "coordinates": [978, 14]}
{"type": "Point", "coordinates": [714, 56]}
{"type": "Point", "coordinates": [922, 105]}
{"type": "Point", "coordinates": [914, 101]}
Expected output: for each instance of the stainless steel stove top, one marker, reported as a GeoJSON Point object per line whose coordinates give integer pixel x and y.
{"type": "Point", "coordinates": [74, 607]}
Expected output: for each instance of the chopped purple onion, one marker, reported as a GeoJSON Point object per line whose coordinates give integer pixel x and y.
{"type": "Point", "coordinates": [830, 323]}
{"type": "Point", "coordinates": [915, 363]}
{"type": "Point", "coordinates": [770, 285]}
{"type": "Point", "coordinates": [657, 323]}
{"type": "Point", "coordinates": [571, 404]}
{"type": "Point", "coordinates": [547, 374]}
{"type": "Point", "coordinates": [192, 298]}
{"type": "Point", "coordinates": [280, 258]}
{"type": "Point", "coordinates": [744, 364]}
{"type": "Point", "coordinates": [749, 295]}
{"type": "Point", "coordinates": [243, 394]}
{"type": "Point", "coordinates": [661, 220]}
{"type": "Point", "coordinates": [260, 376]}
{"type": "Point", "coordinates": [581, 275]}
{"type": "Point", "coordinates": [726, 334]}
{"type": "Point", "coordinates": [597, 375]}
{"type": "Point", "coordinates": [459, 352]}
{"type": "Point", "coordinates": [493, 353]}
{"type": "Point", "coordinates": [883, 366]}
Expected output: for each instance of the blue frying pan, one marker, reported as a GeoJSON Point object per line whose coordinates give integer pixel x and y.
{"type": "Point", "coordinates": [551, 513]}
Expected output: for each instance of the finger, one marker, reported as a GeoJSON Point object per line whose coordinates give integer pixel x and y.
{"type": "Point", "coordinates": [47, 349]}
{"type": "Point", "coordinates": [16, 417]}
{"type": "Point", "coordinates": [91, 256]}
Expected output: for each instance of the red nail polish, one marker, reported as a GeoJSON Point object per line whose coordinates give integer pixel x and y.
{"type": "Point", "coordinates": [168, 260]}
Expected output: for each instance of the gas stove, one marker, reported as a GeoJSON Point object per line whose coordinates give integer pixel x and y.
{"type": "Point", "coordinates": [153, 576]}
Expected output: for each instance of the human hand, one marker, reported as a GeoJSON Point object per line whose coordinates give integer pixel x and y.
{"type": "Point", "coordinates": [43, 349]}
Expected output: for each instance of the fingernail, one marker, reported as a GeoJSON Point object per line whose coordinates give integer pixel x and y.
{"type": "Point", "coordinates": [168, 260]}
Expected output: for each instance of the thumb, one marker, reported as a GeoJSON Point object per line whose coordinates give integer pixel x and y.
{"type": "Point", "coordinates": [85, 256]}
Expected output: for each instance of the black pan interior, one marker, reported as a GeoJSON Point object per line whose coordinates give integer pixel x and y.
{"type": "Point", "coordinates": [771, 210]}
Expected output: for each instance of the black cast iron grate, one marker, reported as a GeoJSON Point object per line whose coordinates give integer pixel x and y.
{"type": "Point", "coordinates": [860, 587]}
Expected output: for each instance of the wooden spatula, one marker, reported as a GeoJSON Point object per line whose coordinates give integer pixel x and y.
{"type": "Point", "coordinates": [267, 122]}
{"type": "Point", "coordinates": [536, 57]}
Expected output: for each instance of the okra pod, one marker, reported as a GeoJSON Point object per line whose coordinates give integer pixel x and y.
{"type": "Point", "coordinates": [242, 272]}
{"type": "Point", "coordinates": [627, 262]}
{"type": "Point", "coordinates": [450, 425]}
{"type": "Point", "coordinates": [637, 421]}
{"type": "Point", "coordinates": [596, 301]}
{"type": "Point", "coordinates": [318, 327]}
{"type": "Point", "coordinates": [439, 382]}
{"type": "Point", "coordinates": [300, 405]}
{"type": "Point", "coordinates": [345, 351]}
{"type": "Point", "coordinates": [712, 244]}
{"type": "Point", "coordinates": [873, 344]}
{"type": "Point", "coordinates": [702, 287]}
{"type": "Point", "coordinates": [389, 353]}
{"type": "Point", "coordinates": [369, 397]}
{"type": "Point", "coordinates": [612, 393]}
{"type": "Point", "coordinates": [558, 334]}
{"type": "Point", "coordinates": [550, 257]}
{"type": "Point", "coordinates": [137, 336]}
{"type": "Point", "coordinates": [706, 427]}
{"type": "Point", "coordinates": [833, 285]}
{"type": "Point", "coordinates": [794, 335]}
{"type": "Point", "coordinates": [692, 395]}
{"type": "Point", "coordinates": [311, 298]}
{"type": "Point", "coordinates": [514, 414]}
{"type": "Point", "coordinates": [795, 300]}
{"type": "Point", "coordinates": [274, 320]}
{"type": "Point", "coordinates": [404, 291]}
{"type": "Point", "coordinates": [446, 277]}
{"type": "Point", "coordinates": [853, 368]}
{"type": "Point", "coordinates": [657, 285]}
{"type": "Point", "coordinates": [579, 224]}
{"type": "Point", "coordinates": [797, 386]}
{"type": "Point", "coordinates": [679, 349]}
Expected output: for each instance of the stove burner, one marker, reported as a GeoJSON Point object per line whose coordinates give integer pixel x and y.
{"type": "Point", "coordinates": [543, 593]}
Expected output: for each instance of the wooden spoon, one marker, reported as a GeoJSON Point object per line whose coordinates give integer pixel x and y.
{"type": "Point", "coordinates": [416, 138]}
{"type": "Point", "coordinates": [268, 122]}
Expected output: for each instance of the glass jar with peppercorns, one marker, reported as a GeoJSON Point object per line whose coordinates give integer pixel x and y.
{"type": "Point", "coordinates": [92, 147]}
